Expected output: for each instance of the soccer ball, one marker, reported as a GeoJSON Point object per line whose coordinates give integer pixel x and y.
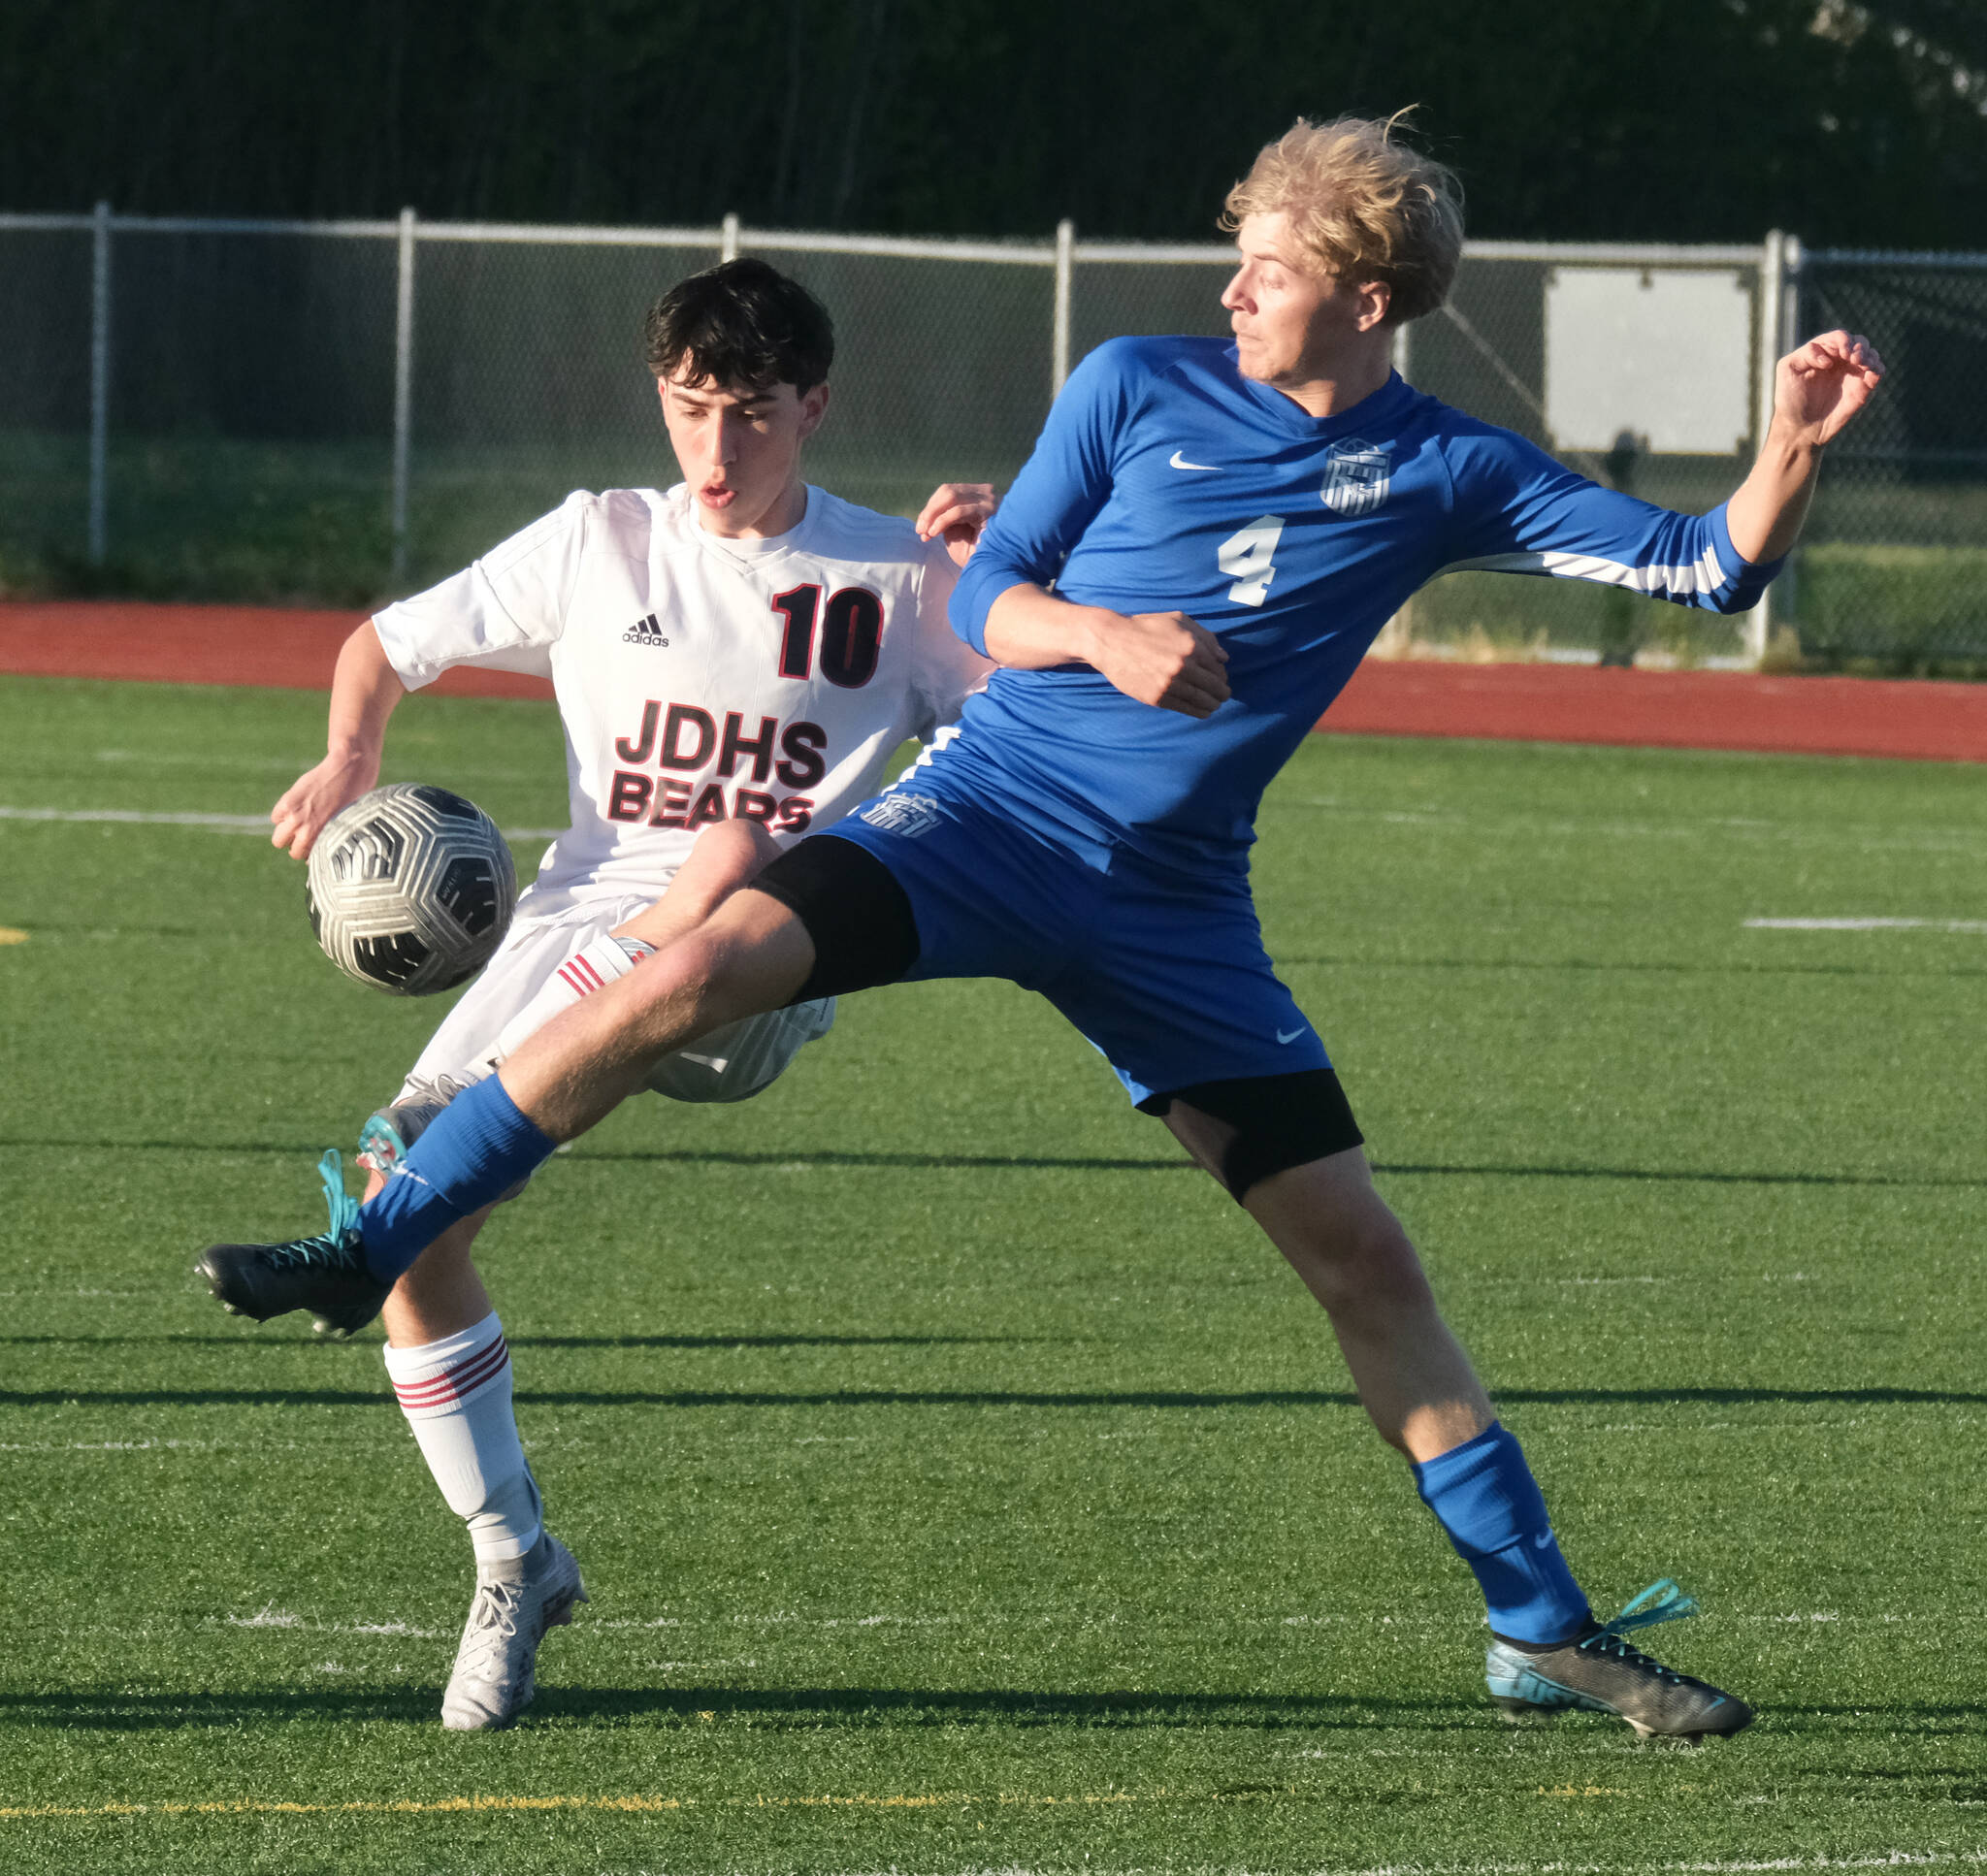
{"type": "Point", "coordinates": [410, 890]}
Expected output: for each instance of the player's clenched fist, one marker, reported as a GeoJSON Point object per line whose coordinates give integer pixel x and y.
{"type": "Point", "coordinates": [1163, 659]}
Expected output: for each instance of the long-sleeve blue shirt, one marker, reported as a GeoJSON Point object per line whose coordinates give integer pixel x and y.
{"type": "Point", "coordinates": [1164, 480]}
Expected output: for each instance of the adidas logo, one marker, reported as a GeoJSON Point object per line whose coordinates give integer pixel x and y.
{"type": "Point", "coordinates": [645, 632]}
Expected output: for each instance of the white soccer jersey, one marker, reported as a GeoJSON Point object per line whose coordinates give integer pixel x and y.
{"type": "Point", "coordinates": [700, 679]}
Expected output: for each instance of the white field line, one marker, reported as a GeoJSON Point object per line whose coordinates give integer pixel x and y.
{"type": "Point", "coordinates": [226, 824]}
{"type": "Point", "coordinates": [1867, 924]}
{"type": "Point", "coordinates": [1927, 840]}
{"type": "Point", "coordinates": [269, 1616]}
{"type": "Point", "coordinates": [156, 759]}
{"type": "Point", "coordinates": [1851, 837]}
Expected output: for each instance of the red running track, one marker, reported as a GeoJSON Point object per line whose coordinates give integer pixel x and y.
{"type": "Point", "coordinates": [1570, 703]}
{"type": "Point", "coordinates": [269, 647]}
{"type": "Point", "coordinates": [1581, 703]}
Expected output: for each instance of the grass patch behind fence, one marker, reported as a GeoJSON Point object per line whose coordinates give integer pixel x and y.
{"type": "Point", "coordinates": [211, 519]}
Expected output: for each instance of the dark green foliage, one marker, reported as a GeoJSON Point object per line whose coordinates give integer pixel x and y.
{"type": "Point", "coordinates": [962, 1483]}
{"type": "Point", "coordinates": [1686, 119]}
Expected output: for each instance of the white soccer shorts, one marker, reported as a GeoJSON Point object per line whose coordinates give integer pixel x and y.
{"type": "Point", "coordinates": [730, 1064]}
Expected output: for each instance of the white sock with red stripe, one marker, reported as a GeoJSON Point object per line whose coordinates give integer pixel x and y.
{"type": "Point", "coordinates": [591, 967]}
{"type": "Point", "coordinates": [456, 1394]}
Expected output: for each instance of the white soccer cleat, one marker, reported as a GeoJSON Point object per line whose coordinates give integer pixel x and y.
{"type": "Point", "coordinates": [495, 1666]}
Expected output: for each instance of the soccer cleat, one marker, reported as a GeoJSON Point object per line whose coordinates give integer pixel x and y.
{"type": "Point", "coordinates": [386, 1136]}
{"type": "Point", "coordinates": [390, 1131]}
{"type": "Point", "coordinates": [1600, 1670]}
{"type": "Point", "coordinates": [326, 1274]}
{"type": "Point", "coordinates": [495, 1666]}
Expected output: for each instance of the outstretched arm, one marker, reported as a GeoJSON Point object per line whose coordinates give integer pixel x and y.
{"type": "Point", "coordinates": [1818, 391]}
{"type": "Point", "coordinates": [363, 689]}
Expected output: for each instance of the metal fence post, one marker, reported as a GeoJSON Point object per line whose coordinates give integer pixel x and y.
{"type": "Point", "coordinates": [1066, 269]}
{"type": "Point", "coordinates": [99, 384]}
{"type": "Point", "coordinates": [1773, 264]}
{"type": "Point", "coordinates": [727, 240]}
{"type": "Point", "coordinates": [1789, 582]}
{"type": "Point", "coordinates": [402, 391]}
{"type": "Point", "coordinates": [1793, 257]}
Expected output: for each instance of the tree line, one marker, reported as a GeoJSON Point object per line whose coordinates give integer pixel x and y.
{"type": "Point", "coordinates": [1648, 119]}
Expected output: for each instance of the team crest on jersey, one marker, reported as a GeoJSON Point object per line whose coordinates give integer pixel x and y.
{"type": "Point", "coordinates": [908, 815]}
{"type": "Point", "coordinates": [1357, 476]}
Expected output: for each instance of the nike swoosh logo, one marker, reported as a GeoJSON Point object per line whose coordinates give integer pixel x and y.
{"type": "Point", "coordinates": [1291, 1037]}
{"type": "Point", "coordinates": [1544, 1538]}
{"type": "Point", "coordinates": [1178, 461]}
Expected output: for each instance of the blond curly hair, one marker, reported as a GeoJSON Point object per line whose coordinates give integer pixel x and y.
{"type": "Point", "coordinates": [1362, 207]}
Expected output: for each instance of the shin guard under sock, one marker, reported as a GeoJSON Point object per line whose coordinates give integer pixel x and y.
{"type": "Point", "coordinates": [476, 1150]}
{"type": "Point", "coordinates": [456, 1394]}
{"type": "Point", "coordinates": [1486, 1498]}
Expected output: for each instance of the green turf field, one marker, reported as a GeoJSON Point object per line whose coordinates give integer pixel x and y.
{"type": "Point", "coordinates": [962, 1484]}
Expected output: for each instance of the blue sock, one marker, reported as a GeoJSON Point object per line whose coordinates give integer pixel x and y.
{"type": "Point", "coordinates": [1487, 1501]}
{"type": "Point", "coordinates": [478, 1145]}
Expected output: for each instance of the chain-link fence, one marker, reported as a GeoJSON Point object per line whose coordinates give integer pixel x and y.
{"type": "Point", "coordinates": [336, 411]}
{"type": "Point", "coordinates": [1530, 339]}
{"type": "Point", "coordinates": [1893, 569]}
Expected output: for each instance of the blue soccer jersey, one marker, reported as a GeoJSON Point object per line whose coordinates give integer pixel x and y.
{"type": "Point", "coordinates": [1165, 480]}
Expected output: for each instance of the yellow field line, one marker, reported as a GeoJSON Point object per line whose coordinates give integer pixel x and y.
{"type": "Point", "coordinates": [646, 1802]}
{"type": "Point", "coordinates": [633, 1801]}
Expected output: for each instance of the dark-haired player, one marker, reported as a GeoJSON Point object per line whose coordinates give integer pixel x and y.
{"type": "Point", "coordinates": [734, 659]}
{"type": "Point", "coordinates": [1227, 526]}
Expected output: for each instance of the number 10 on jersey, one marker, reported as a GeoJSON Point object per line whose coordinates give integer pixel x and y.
{"type": "Point", "coordinates": [851, 635]}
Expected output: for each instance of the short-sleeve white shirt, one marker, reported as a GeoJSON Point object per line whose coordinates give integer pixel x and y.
{"type": "Point", "coordinates": [698, 678]}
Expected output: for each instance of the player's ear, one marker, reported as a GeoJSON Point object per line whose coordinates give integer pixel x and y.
{"type": "Point", "coordinates": [1376, 298]}
{"type": "Point", "coordinates": [813, 407]}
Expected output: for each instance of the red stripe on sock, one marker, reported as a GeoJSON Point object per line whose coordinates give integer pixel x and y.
{"type": "Point", "coordinates": [458, 1382]}
{"type": "Point", "coordinates": [464, 1376]}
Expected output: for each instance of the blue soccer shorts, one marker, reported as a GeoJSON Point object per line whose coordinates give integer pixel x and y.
{"type": "Point", "coordinates": [1163, 973]}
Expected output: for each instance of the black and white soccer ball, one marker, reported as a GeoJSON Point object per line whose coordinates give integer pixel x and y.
{"type": "Point", "coordinates": [410, 890]}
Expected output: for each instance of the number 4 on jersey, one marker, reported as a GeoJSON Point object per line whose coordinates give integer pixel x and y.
{"type": "Point", "coordinates": [1246, 558]}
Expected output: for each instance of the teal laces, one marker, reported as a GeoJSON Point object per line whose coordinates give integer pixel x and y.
{"type": "Point", "coordinates": [330, 1245]}
{"type": "Point", "coordinates": [1661, 1601]}
{"type": "Point", "coordinates": [345, 1214]}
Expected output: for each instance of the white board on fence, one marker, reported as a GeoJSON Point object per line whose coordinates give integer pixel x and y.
{"type": "Point", "coordinates": [1664, 353]}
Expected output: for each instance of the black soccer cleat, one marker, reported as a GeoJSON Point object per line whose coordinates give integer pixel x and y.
{"type": "Point", "coordinates": [326, 1274]}
{"type": "Point", "coordinates": [1600, 1670]}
